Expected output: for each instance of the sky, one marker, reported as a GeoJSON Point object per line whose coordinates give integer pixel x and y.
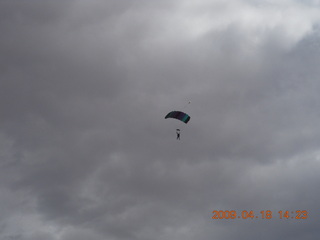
{"type": "Point", "coordinates": [85, 150]}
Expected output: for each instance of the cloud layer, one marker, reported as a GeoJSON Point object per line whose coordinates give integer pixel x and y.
{"type": "Point", "coordinates": [87, 154]}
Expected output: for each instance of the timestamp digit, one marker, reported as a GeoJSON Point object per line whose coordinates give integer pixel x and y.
{"type": "Point", "coordinates": [304, 214]}
{"type": "Point", "coordinates": [286, 214]}
{"type": "Point", "coordinates": [222, 214]}
{"type": "Point", "coordinates": [226, 214]}
{"type": "Point", "coordinates": [215, 214]}
{"type": "Point", "coordinates": [233, 214]}
{"type": "Point", "coordinates": [244, 214]}
{"type": "Point", "coordinates": [250, 214]}
{"type": "Point", "coordinates": [268, 214]}
{"type": "Point", "coordinates": [298, 216]}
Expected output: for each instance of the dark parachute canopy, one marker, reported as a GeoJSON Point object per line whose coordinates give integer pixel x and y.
{"type": "Point", "coordinates": [179, 115]}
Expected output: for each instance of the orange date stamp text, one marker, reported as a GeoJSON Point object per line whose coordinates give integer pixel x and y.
{"type": "Point", "coordinates": [264, 214]}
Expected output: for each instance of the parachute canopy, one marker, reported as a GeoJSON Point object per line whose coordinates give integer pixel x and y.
{"type": "Point", "coordinates": [178, 115]}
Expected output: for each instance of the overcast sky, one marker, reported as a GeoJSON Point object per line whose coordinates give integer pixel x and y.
{"type": "Point", "coordinates": [85, 151]}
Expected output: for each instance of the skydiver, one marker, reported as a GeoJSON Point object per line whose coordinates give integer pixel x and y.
{"type": "Point", "coordinates": [178, 134]}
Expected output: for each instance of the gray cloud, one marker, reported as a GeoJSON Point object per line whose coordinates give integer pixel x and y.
{"type": "Point", "coordinates": [87, 154]}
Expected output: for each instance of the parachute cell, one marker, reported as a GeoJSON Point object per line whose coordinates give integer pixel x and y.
{"type": "Point", "coordinates": [178, 115]}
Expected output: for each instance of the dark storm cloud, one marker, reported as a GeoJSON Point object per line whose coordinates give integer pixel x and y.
{"type": "Point", "coordinates": [86, 151]}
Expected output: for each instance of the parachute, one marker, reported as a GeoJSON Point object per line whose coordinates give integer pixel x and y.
{"type": "Point", "coordinates": [179, 115]}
